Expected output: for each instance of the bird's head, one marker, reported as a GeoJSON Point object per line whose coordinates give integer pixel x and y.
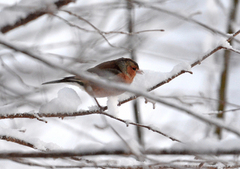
{"type": "Point", "coordinates": [129, 67]}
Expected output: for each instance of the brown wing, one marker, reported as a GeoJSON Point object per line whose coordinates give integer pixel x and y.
{"type": "Point", "coordinates": [108, 70]}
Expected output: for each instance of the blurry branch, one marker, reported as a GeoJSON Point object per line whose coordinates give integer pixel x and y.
{"type": "Point", "coordinates": [17, 97]}
{"type": "Point", "coordinates": [107, 32]}
{"type": "Point", "coordinates": [223, 112]}
{"type": "Point", "coordinates": [134, 33]}
{"type": "Point", "coordinates": [222, 89]}
{"type": "Point", "coordinates": [130, 19]}
{"type": "Point", "coordinates": [191, 97]}
{"type": "Point", "coordinates": [72, 25]}
{"type": "Point", "coordinates": [90, 77]}
{"type": "Point", "coordinates": [104, 32]}
{"type": "Point", "coordinates": [186, 18]}
{"type": "Point", "coordinates": [199, 101]}
{"type": "Point", "coordinates": [32, 16]}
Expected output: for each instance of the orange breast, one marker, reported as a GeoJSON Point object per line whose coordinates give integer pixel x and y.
{"type": "Point", "coordinates": [101, 91]}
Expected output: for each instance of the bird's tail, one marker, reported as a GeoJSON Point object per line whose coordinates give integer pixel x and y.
{"type": "Point", "coordinates": [71, 79]}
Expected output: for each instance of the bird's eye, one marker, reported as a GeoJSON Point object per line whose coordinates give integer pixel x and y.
{"type": "Point", "coordinates": [134, 68]}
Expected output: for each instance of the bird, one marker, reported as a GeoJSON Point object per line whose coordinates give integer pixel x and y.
{"type": "Point", "coordinates": [122, 70]}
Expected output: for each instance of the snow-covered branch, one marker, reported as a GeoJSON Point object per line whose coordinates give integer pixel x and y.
{"type": "Point", "coordinates": [23, 13]}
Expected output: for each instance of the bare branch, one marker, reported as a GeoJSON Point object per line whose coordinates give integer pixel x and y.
{"type": "Point", "coordinates": [70, 153]}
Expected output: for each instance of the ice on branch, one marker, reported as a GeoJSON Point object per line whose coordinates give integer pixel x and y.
{"type": "Point", "coordinates": [66, 101]}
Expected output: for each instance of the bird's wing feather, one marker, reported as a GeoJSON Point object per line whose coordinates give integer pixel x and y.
{"type": "Point", "coordinates": [108, 73]}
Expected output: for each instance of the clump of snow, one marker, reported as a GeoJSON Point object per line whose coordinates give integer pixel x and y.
{"type": "Point", "coordinates": [224, 43]}
{"type": "Point", "coordinates": [148, 79]}
{"type": "Point", "coordinates": [67, 101]}
{"type": "Point", "coordinates": [184, 66]}
{"type": "Point", "coordinates": [112, 103]}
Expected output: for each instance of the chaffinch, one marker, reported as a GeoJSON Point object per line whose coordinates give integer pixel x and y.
{"type": "Point", "coordinates": [121, 70]}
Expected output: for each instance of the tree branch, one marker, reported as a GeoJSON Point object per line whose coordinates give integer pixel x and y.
{"type": "Point", "coordinates": [70, 153]}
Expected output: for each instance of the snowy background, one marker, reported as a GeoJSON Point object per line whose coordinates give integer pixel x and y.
{"type": "Point", "coordinates": [83, 34]}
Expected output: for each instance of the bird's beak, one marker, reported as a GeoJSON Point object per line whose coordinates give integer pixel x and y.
{"type": "Point", "coordinates": [139, 71]}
